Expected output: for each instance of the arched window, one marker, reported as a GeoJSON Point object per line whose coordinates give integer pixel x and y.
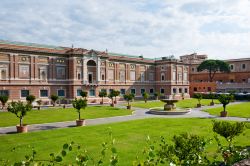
{"type": "Point", "coordinates": [79, 76]}
{"type": "Point", "coordinates": [3, 74]}
{"type": "Point", "coordinates": [162, 77]}
{"type": "Point", "coordinates": [43, 75]}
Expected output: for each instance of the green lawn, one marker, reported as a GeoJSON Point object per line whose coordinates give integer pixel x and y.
{"type": "Point", "coordinates": [236, 110]}
{"type": "Point", "coordinates": [59, 115]}
{"type": "Point", "coordinates": [130, 138]}
{"type": "Point", "coordinates": [187, 103]}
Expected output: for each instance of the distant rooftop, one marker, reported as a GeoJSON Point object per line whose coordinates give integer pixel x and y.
{"type": "Point", "coordinates": [30, 44]}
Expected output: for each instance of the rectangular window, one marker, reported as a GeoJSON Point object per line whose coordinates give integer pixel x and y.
{"type": "Point", "coordinates": [60, 72]}
{"type": "Point", "coordinates": [151, 76]}
{"type": "Point", "coordinates": [174, 90]}
{"type": "Point", "coordinates": [186, 90]}
{"type": "Point", "coordinates": [25, 93]}
{"type": "Point", "coordinates": [142, 91]}
{"type": "Point", "coordinates": [3, 73]}
{"type": "Point", "coordinates": [132, 91]}
{"type": "Point", "coordinates": [151, 91]}
{"type": "Point", "coordinates": [111, 74]}
{"type": "Point", "coordinates": [24, 71]}
{"type": "Point", "coordinates": [179, 77]}
{"type": "Point", "coordinates": [4, 93]}
{"type": "Point", "coordinates": [142, 76]}
{"type": "Point", "coordinates": [44, 93]}
{"type": "Point", "coordinates": [111, 90]}
{"type": "Point", "coordinates": [123, 91]}
{"type": "Point", "coordinates": [162, 90]}
{"type": "Point", "coordinates": [174, 75]}
{"type": "Point", "coordinates": [180, 90]}
{"type": "Point", "coordinates": [195, 89]}
{"type": "Point", "coordinates": [122, 75]}
{"type": "Point", "coordinates": [61, 93]}
{"type": "Point", "coordinates": [78, 92]}
{"type": "Point", "coordinates": [185, 76]}
{"type": "Point", "coordinates": [91, 92]}
{"type": "Point", "coordinates": [243, 66]}
{"type": "Point", "coordinates": [132, 75]}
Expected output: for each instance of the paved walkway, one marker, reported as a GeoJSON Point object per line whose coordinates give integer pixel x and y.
{"type": "Point", "coordinates": [138, 113]}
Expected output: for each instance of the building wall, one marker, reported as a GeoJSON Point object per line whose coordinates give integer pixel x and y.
{"type": "Point", "coordinates": [53, 72]}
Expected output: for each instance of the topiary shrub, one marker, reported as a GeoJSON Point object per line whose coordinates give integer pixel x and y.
{"type": "Point", "coordinates": [54, 98]}
{"type": "Point", "coordinates": [4, 99]}
{"type": "Point", "coordinates": [30, 99]}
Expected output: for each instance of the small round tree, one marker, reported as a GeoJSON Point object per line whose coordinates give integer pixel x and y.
{"type": "Point", "coordinates": [116, 93]}
{"type": "Point", "coordinates": [30, 99]}
{"type": "Point", "coordinates": [79, 104]}
{"type": "Point", "coordinates": [128, 98]}
{"type": "Point", "coordinates": [111, 96]}
{"type": "Point", "coordinates": [102, 94]}
{"type": "Point", "coordinates": [198, 96]}
{"type": "Point", "coordinates": [84, 94]}
{"type": "Point", "coordinates": [225, 100]}
{"type": "Point", "coordinates": [4, 99]}
{"type": "Point", "coordinates": [54, 98]}
{"type": "Point", "coordinates": [39, 103]}
{"type": "Point", "coordinates": [145, 96]}
{"type": "Point", "coordinates": [20, 110]}
{"type": "Point", "coordinates": [157, 95]}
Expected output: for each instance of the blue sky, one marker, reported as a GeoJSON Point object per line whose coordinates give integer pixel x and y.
{"type": "Point", "coordinates": [153, 28]}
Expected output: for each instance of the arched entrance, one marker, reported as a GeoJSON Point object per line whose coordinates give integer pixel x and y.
{"type": "Point", "coordinates": [91, 69]}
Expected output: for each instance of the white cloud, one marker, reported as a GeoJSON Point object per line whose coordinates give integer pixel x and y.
{"type": "Point", "coordinates": [220, 29]}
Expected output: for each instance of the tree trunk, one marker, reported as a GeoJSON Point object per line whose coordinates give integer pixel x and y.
{"type": "Point", "coordinates": [79, 115]}
{"type": "Point", "coordinates": [102, 100]}
{"type": "Point", "coordinates": [128, 103]}
{"type": "Point", "coordinates": [21, 121]}
{"type": "Point", "coordinates": [224, 107]}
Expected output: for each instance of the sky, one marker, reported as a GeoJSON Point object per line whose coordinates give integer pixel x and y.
{"type": "Point", "coordinates": [152, 28]}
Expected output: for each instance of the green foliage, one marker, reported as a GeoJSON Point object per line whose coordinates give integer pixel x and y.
{"type": "Point", "coordinates": [54, 98]}
{"type": "Point", "coordinates": [19, 109]}
{"type": "Point", "coordinates": [145, 96]}
{"type": "Point", "coordinates": [30, 99]}
{"type": "Point", "coordinates": [39, 102]}
{"type": "Point", "coordinates": [213, 66]}
{"type": "Point", "coordinates": [116, 93]}
{"type": "Point", "coordinates": [128, 97]}
{"type": "Point", "coordinates": [186, 149]}
{"type": "Point", "coordinates": [198, 96]}
{"type": "Point", "coordinates": [228, 130]}
{"type": "Point", "coordinates": [84, 94]}
{"type": "Point", "coordinates": [79, 104]}
{"type": "Point", "coordinates": [225, 100]}
{"type": "Point", "coordinates": [102, 94]}
{"type": "Point", "coordinates": [4, 100]}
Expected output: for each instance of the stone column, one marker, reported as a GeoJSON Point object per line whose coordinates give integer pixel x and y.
{"type": "Point", "coordinates": [98, 66]}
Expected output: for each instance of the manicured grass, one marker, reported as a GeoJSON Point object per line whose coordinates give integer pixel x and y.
{"type": "Point", "coordinates": [187, 103]}
{"type": "Point", "coordinates": [130, 138]}
{"type": "Point", "coordinates": [60, 114]}
{"type": "Point", "coordinates": [235, 110]}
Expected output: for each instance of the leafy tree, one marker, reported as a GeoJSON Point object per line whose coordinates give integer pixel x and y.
{"type": "Point", "coordinates": [102, 94]}
{"type": "Point", "coordinates": [84, 94]}
{"type": "Point", "coordinates": [19, 109]}
{"type": "Point", "coordinates": [225, 100]}
{"type": "Point", "coordinates": [198, 96]}
{"type": "Point", "coordinates": [116, 93]}
{"type": "Point", "coordinates": [39, 102]}
{"type": "Point", "coordinates": [79, 104]}
{"type": "Point", "coordinates": [128, 98]}
{"type": "Point", "coordinates": [54, 98]}
{"type": "Point", "coordinates": [111, 96]}
{"type": "Point", "coordinates": [4, 100]}
{"type": "Point", "coordinates": [157, 95]}
{"type": "Point", "coordinates": [30, 99]}
{"type": "Point", "coordinates": [213, 66]}
{"type": "Point", "coordinates": [145, 96]}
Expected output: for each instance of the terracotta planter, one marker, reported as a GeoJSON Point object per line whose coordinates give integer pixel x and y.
{"type": "Point", "coordinates": [112, 105]}
{"type": "Point", "coordinates": [223, 113]}
{"type": "Point", "coordinates": [129, 107]}
{"type": "Point", "coordinates": [211, 103]}
{"type": "Point", "coordinates": [80, 122]}
{"type": "Point", "coordinates": [198, 105]}
{"type": "Point", "coordinates": [22, 129]}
